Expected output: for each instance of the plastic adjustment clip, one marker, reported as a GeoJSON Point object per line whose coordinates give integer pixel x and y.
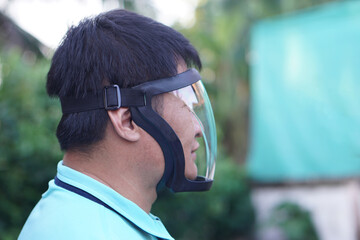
{"type": "Point", "coordinates": [112, 97]}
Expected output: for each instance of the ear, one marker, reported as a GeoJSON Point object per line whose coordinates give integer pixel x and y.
{"type": "Point", "coordinates": [124, 125]}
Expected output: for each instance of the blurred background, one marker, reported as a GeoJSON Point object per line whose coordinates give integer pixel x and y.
{"type": "Point", "coordinates": [283, 77]}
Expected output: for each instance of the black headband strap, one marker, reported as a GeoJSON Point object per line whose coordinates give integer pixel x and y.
{"type": "Point", "coordinates": [112, 97]}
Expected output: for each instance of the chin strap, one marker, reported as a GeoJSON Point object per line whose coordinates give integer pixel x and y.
{"type": "Point", "coordinates": [111, 98]}
{"type": "Point", "coordinates": [170, 144]}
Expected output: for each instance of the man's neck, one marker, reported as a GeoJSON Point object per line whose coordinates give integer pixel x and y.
{"type": "Point", "coordinates": [114, 174]}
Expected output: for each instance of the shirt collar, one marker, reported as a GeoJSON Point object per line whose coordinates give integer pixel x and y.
{"type": "Point", "coordinates": [128, 209]}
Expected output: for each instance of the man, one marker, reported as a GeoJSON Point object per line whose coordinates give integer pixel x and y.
{"type": "Point", "coordinates": [133, 117]}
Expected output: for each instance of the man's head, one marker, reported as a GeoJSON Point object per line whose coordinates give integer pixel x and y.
{"type": "Point", "coordinates": [123, 80]}
{"type": "Point", "coordinates": [116, 47]}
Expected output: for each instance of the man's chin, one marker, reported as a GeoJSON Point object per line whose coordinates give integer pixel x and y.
{"type": "Point", "coordinates": [193, 175]}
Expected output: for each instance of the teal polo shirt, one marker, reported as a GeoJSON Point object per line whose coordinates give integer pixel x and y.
{"type": "Point", "coordinates": [63, 214]}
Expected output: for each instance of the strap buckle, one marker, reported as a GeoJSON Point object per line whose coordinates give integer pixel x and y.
{"type": "Point", "coordinates": [112, 97]}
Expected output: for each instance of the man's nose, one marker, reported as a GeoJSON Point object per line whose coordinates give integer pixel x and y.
{"type": "Point", "coordinates": [197, 126]}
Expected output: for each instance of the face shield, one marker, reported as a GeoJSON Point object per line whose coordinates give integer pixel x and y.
{"type": "Point", "coordinates": [198, 105]}
{"type": "Point", "coordinates": [184, 128]}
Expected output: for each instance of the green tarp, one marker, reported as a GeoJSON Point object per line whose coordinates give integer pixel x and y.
{"type": "Point", "coordinates": [305, 95]}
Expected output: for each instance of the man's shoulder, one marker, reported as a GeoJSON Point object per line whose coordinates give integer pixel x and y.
{"type": "Point", "coordinates": [61, 214]}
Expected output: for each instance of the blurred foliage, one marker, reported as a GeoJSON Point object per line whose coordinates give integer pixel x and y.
{"type": "Point", "coordinates": [28, 147]}
{"type": "Point", "coordinates": [225, 212]}
{"type": "Point", "coordinates": [294, 221]}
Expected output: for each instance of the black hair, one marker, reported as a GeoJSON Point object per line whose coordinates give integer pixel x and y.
{"type": "Point", "coordinates": [116, 47]}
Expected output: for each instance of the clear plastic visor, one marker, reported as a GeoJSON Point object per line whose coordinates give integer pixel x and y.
{"type": "Point", "coordinates": [188, 111]}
